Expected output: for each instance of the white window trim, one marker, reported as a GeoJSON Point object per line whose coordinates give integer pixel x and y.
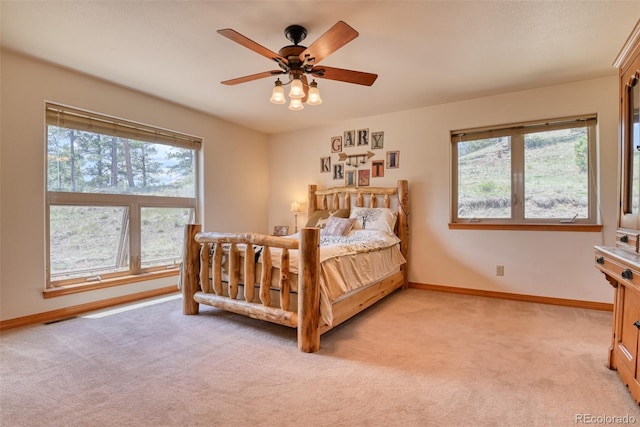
{"type": "Point", "coordinates": [517, 132]}
{"type": "Point", "coordinates": [93, 122]}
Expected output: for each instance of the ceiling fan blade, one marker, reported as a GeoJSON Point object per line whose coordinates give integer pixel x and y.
{"type": "Point", "coordinates": [250, 44]}
{"type": "Point", "coordinates": [336, 37]}
{"type": "Point", "coordinates": [349, 76]}
{"type": "Point", "coordinates": [252, 77]}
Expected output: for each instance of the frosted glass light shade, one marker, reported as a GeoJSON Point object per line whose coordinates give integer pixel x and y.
{"type": "Point", "coordinates": [296, 104]}
{"type": "Point", "coordinates": [277, 95]}
{"type": "Point", "coordinates": [314, 94]}
{"type": "Point", "coordinates": [296, 91]}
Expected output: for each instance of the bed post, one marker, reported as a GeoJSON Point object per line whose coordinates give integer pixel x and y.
{"type": "Point", "coordinates": [190, 269]}
{"type": "Point", "coordinates": [312, 199]}
{"type": "Point", "coordinates": [309, 290]}
{"type": "Point", "coordinates": [403, 225]}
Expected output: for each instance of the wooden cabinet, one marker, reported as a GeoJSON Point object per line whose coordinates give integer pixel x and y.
{"type": "Point", "coordinates": [621, 264]}
{"type": "Point", "coordinates": [627, 338]}
{"type": "Point", "coordinates": [622, 269]}
{"type": "Point", "coordinates": [628, 62]}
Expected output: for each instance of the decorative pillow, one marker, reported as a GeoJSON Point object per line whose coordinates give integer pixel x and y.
{"type": "Point", "coordinates": [381, 219]}
{"type": "Point", "coordinates": [319, 217]}
{"type": "Point", "coordinates": [337, 226]}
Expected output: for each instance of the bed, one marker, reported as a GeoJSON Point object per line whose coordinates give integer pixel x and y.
{"type": "Point", "coordinates": [313, 280]}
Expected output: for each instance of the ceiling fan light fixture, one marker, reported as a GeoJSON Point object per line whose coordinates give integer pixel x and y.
{"type": "Point", "coordinates": [296, 91]}
{"type": "Point", "coordinates": [277, 95]}
{"type": "Point", "coordinates": [297, 61]}
{"type": "Point", "coordinates": [314, 94]}
{"type": "Point", "coordinates": [296, 104]}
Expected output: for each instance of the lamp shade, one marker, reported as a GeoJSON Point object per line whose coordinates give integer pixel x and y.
{"type": "Point", "coordinates": [296, 91]}
{"type": "Point", "coordinates": [314, 94]}
{"type": "Point", "coordinates": [296, 104]}
{"type": "Point", "coordinates": [295, 207]}
{"type": "Point", "coordinates": [277, 95]}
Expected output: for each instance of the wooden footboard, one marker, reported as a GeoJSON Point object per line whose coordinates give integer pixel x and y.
{"type": "Point", "coordinates": [202, 278]}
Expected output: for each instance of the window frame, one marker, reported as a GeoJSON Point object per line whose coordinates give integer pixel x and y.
{"type": "Point", "coordinates": [517, 132]}
{"type": "Point", "coordinates": [133, 203]}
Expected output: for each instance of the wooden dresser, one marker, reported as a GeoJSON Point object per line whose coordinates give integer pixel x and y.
{"type": "Point", "coordinates": [621, 264]}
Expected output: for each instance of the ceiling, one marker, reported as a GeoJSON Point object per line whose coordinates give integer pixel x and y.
{"type": "Point", "coordinates": [425, 52]}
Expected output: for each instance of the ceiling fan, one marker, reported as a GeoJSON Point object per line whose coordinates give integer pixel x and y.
{"type": "Point", "coordinates": [298, 61]}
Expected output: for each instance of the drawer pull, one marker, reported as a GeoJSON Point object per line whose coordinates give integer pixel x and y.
{"type": "Point", "coordinates": [627, 274]}
{"type": "Point", "coordinates": [624, 238]}
{"type": "Point", "coordinates": [637, 324]}
{"type": "Point", "coordinates": [600, 260]}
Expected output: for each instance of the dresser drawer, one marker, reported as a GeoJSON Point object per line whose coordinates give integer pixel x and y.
{"type": "Point", "coordinates": [627, 240]}
{"type": "Point", "coordinates": [618, 267]}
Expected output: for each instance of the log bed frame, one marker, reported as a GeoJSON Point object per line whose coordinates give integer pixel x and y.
{"type": "Point", "coordinates": [206, 285]}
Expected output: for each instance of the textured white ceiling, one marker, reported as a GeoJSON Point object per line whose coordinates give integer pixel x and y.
{"type": "Point", "coordinates": [425, 52]}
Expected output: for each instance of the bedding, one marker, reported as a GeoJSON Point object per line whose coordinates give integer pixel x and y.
{"type": "Point", "coordinates": [356, 241]}
{"type": "Point", "coordinates": [381, 219]}
{"type": "Point", "coordinates": [337, 226]}
{"type": "Point", "coordinates": [320, 216]}
{"type": "Point", "coordinates": [343, 275]}
{"type": "Point", "coordinates": [349, 262]}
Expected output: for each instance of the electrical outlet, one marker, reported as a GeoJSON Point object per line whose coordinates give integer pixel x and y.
{"type": "Point", "coordinates": [499, 270]}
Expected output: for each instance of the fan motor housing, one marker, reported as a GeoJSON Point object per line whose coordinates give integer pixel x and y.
{"type": "Point", "coordinates": [292, 53]}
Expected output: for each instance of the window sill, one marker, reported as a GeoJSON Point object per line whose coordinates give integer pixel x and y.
{"type": "Point", "coordinates": [57, 291]}
{"type": "Point", "coordinates": [589, 228]}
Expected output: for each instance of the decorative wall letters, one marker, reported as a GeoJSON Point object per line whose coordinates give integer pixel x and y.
{"type": "Point", "coordinates": [348, 156]}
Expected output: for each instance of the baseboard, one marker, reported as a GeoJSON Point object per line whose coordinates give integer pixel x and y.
{"type": "Point", "coordinates": [591, 305]}
{"type": "Point", "coordinates": [62, 313]}
{"type": "Point", "coordinates": [66, 312]}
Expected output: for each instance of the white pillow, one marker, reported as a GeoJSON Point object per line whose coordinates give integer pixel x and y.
{"type": "Point", "coordinates": [337, 226]}
{"type": "Point", "coordinates": [381, 219]}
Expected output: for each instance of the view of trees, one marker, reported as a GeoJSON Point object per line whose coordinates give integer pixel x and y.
{"type": "Point", "coordinates": [81, 161]}
{"type": "Point", "coordinates": [94, 238]}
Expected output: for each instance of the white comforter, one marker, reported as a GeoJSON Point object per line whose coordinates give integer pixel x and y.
{"type": "Point", "coordinates": [349, 262]}
{"type": "Point", "coordinates": [356, 241]}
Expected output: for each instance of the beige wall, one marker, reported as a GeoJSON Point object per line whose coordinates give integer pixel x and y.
{"type": "Point", "coordinates": [26, 85]}
{"type": "Point", "coordinates": [277, 169]}
{"type": "Point", "coordinates": [553, 264]}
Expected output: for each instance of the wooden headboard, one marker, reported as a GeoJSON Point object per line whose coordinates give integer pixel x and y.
{"type": "Point", "coordinates": [347, 197]}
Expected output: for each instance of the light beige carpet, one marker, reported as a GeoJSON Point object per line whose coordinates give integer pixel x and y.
{"type": "Point", "coordinates": [418, 358]}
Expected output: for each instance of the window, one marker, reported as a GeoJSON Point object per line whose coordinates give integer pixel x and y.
{"type": "Point", "coordinates": [528, 173]}
{"type": "Point", "coordinates": [118, 196]}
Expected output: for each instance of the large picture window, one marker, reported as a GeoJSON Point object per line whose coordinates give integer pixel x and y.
{"type": "Point", "coordinates": [118, 196]}
{"type": "Point", "coordinates": [527, 173]}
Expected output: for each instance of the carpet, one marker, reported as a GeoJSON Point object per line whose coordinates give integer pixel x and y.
{"type": "Point", "coordinates": [417, 358]}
